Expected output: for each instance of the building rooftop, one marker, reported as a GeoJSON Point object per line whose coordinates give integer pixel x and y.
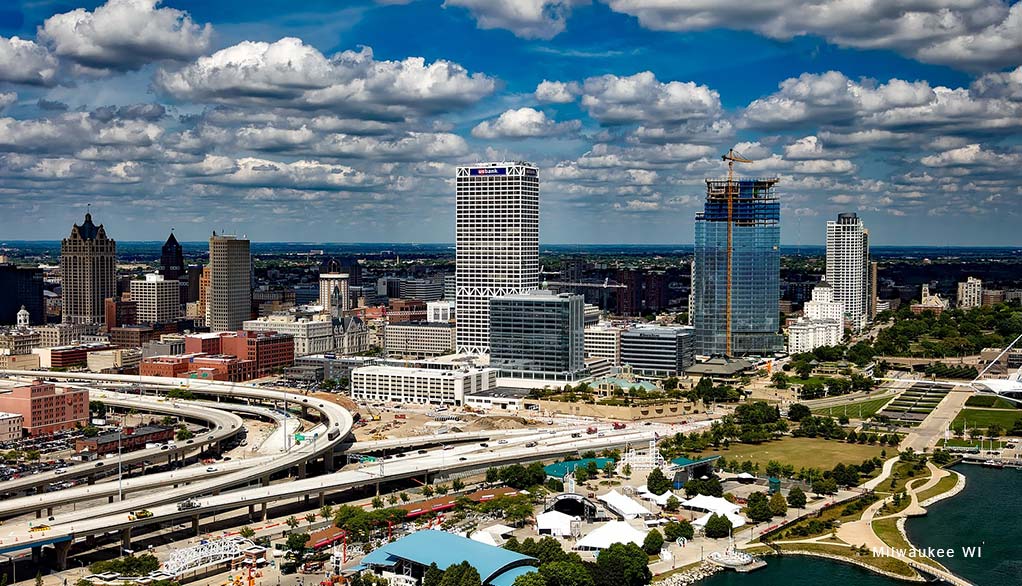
{"type": "Point", "coordinates": [446, 549]}
{"type": "Point", "coordinates": [720, 367]}
{"type": "Point", "coordinates": [562, 469]}
{"type": "Point", "coordinates": [514, 392]}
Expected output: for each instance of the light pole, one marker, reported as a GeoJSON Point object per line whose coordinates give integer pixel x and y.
{"type": "Point", "coordinates": [120, 487]}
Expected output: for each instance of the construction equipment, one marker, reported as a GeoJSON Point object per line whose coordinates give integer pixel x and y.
{"type": "Point", "coordinates": [731, 157]}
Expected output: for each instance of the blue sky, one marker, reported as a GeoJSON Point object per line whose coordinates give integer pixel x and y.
{"type": "Point", "coordinates": [344, 121]}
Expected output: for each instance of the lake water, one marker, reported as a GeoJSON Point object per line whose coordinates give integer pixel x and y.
{"type": "Point", "coordinates": [987, 515]}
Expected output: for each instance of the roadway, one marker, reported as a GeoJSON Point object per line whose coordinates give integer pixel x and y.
{"type": "Point", "coordinates": [462, 458]}
{"type": "Point", "coordinates": [222, 426]}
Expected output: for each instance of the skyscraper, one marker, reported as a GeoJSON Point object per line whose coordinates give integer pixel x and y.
{"type": "Point", "coordinates": [497, 236]}
{"type": "Point", "coordinates": [755, 269]}
{"type": "Point", "coordinates": [158, 299]}
{"type": "Point", "coordinates": [88, 273]}
{"type": "Point", "coordinates": [538, 335]}
{"type": "Point", "coordinates": [333, 286]}
{"type": "Point", "coordinates": [229, 300]}
{"type": "Point", "coordinates": [22, 287]}
{"type": "Point", "coordinates": [172, 263]}
{"type": "Point", "coordinates": [848, 270]}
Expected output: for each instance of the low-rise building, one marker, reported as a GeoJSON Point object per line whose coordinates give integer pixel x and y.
{"type": "Point", "coordinates": [418, 339]}
{"type": "Point", "coordinates": [805, 335]}
{"type": "Point", "coordinates": [67, 356]}
{"type": "Point", "coordinates": [132, 336]}
{"type": "Point", "coordinates": [18, 341]}
{"type": "Point", "coordinates": [419, 385]}
{"type": "Point", "coordinates": [604, 341]}
{"type": "Point", "coordinates": [200, 366]}
{"type": "Point", "coordinates": [117, 360]}
{"type": "Point", "coordinates": [127, 440]}
{"type": "Point", "coordinates": [658, 350]}
{"type": "Point", "coordinates": [46, 408]}
{"type": "Point", "coordinates": [53, 335]}
{"type": "Point", "coordinates": [11, 425]}
{"type": "Point", "coordinates": [440, 311]}
{"type": "Point", "coordinates": [402, 310]}
{"type": "Point", "coordinates": [311, 336]}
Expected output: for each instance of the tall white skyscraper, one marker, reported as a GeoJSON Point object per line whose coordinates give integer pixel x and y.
{"type": "Point", "coordinates": [229, 300]}
{"type": "Point", "coordinates": [848, 267]}
{"type": "Point", "coordinates": [497, 243]}
{"type": "Point", "coordinates": [158, 300]}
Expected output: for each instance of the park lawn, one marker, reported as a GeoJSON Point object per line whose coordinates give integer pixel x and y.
{"type": "Point", "coordinates": [967, 443]}
{"type": "Point", "coordinates": [887, 531]}
{"type": "Point", "coordinates": [985, 418]}
{"type": "Point", "coordinates": [887, 564]}
{"type": "Point", "coordinates": [902, 477]}
{"type": "Point", "coordinates": [943, 485]}
{"type": "Point", "coordinates": [990, 402]}
{"type": "Point", "coordinates": [862, 409]}
{"type": "Point", "coordinates": [800, 452]}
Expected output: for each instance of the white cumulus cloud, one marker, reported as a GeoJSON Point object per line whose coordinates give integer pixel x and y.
{"type": "Point", "coordinates": [523, 123]}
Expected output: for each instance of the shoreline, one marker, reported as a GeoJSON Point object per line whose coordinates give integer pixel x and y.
{"type": "Point", "coordinates": [850, 561]}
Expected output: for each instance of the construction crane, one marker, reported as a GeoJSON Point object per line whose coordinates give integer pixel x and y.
{"type": "Point", "coordinates": [731, 157]}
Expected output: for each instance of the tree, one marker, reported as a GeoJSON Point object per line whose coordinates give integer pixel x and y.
{"type": "Point", "coordinates": [825, 486]}
{"type": "Point", "coordinates": [657, 483]}
{"type": "Point", "coordinates": [622, 565]}
{"type": "Point", "coordinates": [291, 522]}
{"type": "Point", "coordinates": [246, 532]}
{"type": "Point", "coordinates": [565, 573]}
{"type": "Point", "coordinates": [432, 576]}
{"type": "Point", "coordinates": [442, 489]}
{"type": "Point", "coordinates": [778, 506]}
{"type": "Point", "coordinates": [717, 526]}
{"type": "Point", "coordinates": [427, 491]}
{"type": "Point", "coordinates": [404, 497]}
{"type": "Point", "coordinates": [798, 412]}
{"type": "Point", "coordinates": [780, 380]}
{"type": "Point", "coordinates": [530, 579]}
{"type": "Point", "coordinates": [326, 512]}
{"type": "Point", "coordinates": [758, 507]}
{"type": "Point", "coordinates": [677, 529]}
{"type": "Point", "coordinates": [653, 542]}
{"type": "Point", "coordinates": [377, 502]}
{"type": "Point", "coordinates": [458, 484]}
{"type": "Point", "coordinates": [627, 470]}
{"type": "Point", "coordinates": [672, 504]}
{"type": "Point", "coordinates": [39, 578]}
{"type": "Point", "coordinates": [296, 544]}
{"type": "Point", "coordinates": [581, 475]}
{"type": "Point", "coordinates": [796, 498]}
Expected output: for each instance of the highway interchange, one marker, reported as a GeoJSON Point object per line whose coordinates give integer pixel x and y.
{"type": "Point", "coordinates": [239, 483]}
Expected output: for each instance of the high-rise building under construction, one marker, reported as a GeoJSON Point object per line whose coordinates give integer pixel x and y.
{"type": "Point", "coordinates": [736, 269]}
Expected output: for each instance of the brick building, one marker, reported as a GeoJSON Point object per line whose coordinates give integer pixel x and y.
{"type": "Point", "coordinates": [47, 409]}
{"type": "Point", "coordinates": [402, 310]}
{"type": "Point", "coordinates": [130, 439]}
{"type": "Point", "coordinates": [270, 350]}
{"type": "Point", "coordinates": [119, 312]}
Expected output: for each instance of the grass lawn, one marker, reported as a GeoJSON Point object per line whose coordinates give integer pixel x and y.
{"type": "Point", "coordinates": [902, 477]}
{"type": "Point", "coordinates": [984, 418]}
{"type": "Point", "coordinates": [967, 443]}
{"type": "Point", "coordinates": [861, 409]}
{"type": "Point", "coordinates": [990, 402]}
{"type": "Point", "coordinates": [887, 531]}
{"type": "Point", "coordinates": [943, 485]}
{"type": "Point", "coordinates": [884, 563]}
{"type": "Point", "coordinates": [800, 452]}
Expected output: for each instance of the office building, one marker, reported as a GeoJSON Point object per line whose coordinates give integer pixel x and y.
{"type": "Point", "coordinates": [47, 409]}
{"type": "Point", "coordinates": [311, 336]}
{"type": "Point", "coordinates": [333, 287]}
{"type": "Point", "coordinates": [603, 341]}
{"type": "Point", "coordinates": [268, 350]}
{"type": "Point", "coordinates": [229, 299]}
{"type": "Point", "coordinates": [970, 293]}
{"type": "Point", "coordinates": [172, 262]}
{"type": "Point", "coordinates": [450, 287]}
{"type": "Point", "coordinates": [440, 311]}
{"type": "Point", "coordinates": [418, 339]}
{"type": "Point", "coordinates": [497, 243]}
{"type": "Point", "coordinates": [991, 297]}
{"type": "Point", "coordinates": [22, 288]}
{"type": "Point", "coordinates": [165, 346]}
{"type": "Point", "coordinates": [114, 361]}
{"type": "Point", "coordinates": [658, 351]}
{"type": "Point", "coordinates": [118, 312]}
{"type": "Point", "coordinates": [823, 305]}
{"type": "Point", "coordinates": [88, 273]}
{"type": "Point", "coordinates": [428, 386]}
{"type": "Point", "coordinates": [133, 336]}
{"type": "Point", "coordinates": [744, 303]}
{"type": "Point", "coordinates": [848, 268]}
{"type": "Point", "coordinates": [11, 425]}
{"type": "Point", "coordinates": [403, 310]}
{"type": "Point", "coordinates": [200, 366]}
{"type": "Point", "coordinates": [537, 335]}
{"type": "Point", "coordinates": [422, 289]}
{"type": "Point", "coordinates": [157, 299]}
{"type": "Point", "coordinates": [62, 334]}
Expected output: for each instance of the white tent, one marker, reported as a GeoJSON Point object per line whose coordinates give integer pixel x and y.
{"type": "Point", "coordinates": [745, 476]}
{"type": "Point", "coordinates": [613, 532]}
{"type": "Point", "coordinates": [499, 530]}
{"type": "Point", "coordinates": [660, 499]}
{"type": "Point", "coordinates": [623, 505]}
{"type": "Point", "coordinates": [485, 537]}
{"type": "Point", "coordinates": [712, 504]}
{"type": "Point", "coordinates": [554, 523]}
{"type": "Point", "coordinates": [736, 520]}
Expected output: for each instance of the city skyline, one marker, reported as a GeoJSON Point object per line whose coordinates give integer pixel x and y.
{"type": "Point", "coordinates": [331, 124]}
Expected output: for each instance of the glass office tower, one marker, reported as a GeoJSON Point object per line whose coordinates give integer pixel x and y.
{"type": "Point", "coordinates": [537, 335]}
{"type": "Point", "coordinates": [755, 269]}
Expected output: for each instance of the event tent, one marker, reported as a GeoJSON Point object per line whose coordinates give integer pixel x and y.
{"type": "Point", "coordinates": [660, 499]}
{"type": "Point", "coordinates": [610, 533]}
{"type": "Point", "coordinates": [623, 505]}
{"type": "Point", "coordinates": [712, 504]}
{"type": "Point", "coordinates": [736, 520]}
{"type": "Point", "coordinates": [554, 523]}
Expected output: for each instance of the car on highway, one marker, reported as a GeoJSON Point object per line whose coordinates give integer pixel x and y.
{"type": "Point", "coordinates": [502, 442]}
{"type": "Point", "coordinates": [98, 464]}
{"type": "Point", "coordinates": [38, 528]}
{"type": "Point", "coordinates": [531, 444]}
{"type": "Point", "coordinates": [140, 514]}
{"type": "Point", "coordinates": [60, 471]}
{"type": "Point", "coordinates": [484, 445]}
{"type": "Point", "coordinates": [211, 468]}
{"type": "Point", "coordinates": [448, 447]}
{"type": "Point", "coordinates": [462, 459]}
{"type": "Point", "coordinates": [188, 504]}
{"type": "Point", "coordinates": [423, 452]}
